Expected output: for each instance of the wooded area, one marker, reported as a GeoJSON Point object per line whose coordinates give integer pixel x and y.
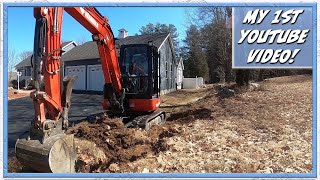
{"type": "Point", "coordinates": [207, 49]}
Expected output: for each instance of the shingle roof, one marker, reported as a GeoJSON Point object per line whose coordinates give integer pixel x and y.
{"type": "Point", "coordinates": [27, 61]}
{"type": "Point", "coordinates": [122, 29]}
{"type": "Point", "coordinates": [89, 50]}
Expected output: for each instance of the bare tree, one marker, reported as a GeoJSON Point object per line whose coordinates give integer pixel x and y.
{"type": "Point", "coordinates": [81, 40]}
{"type": "Point", "coordinates": [215, 28]}
{"type": "Point", "coordinates": [158, 28]}
{"type": "Point", "coordinates": [25, 55]}
{"type": "Point", "coordinates": [13, 59]}
{"type": "Point", "coordinates": [213, 22]}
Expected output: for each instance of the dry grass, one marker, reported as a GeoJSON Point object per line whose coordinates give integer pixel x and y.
{"type": "Point", "coordinates": [259, 131]}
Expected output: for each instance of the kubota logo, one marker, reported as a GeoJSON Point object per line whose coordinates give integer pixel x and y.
{"type": "Point", "coordinates": [89, 17]}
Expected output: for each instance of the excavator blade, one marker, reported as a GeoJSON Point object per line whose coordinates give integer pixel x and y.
{"type": "Point", "coordinates": [57, 154]}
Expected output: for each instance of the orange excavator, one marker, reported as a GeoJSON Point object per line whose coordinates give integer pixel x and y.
{"type": "Point", "coordinates": [130, 92]}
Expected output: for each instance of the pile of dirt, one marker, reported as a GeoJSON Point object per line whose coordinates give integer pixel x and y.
{"type": "Point", "coordinates": [107, 146]}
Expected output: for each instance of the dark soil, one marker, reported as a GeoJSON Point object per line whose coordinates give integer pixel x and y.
{"type": "Point", "coordinates": [119, 144]}
{"type": "Point", "coordinates": [13, 164]}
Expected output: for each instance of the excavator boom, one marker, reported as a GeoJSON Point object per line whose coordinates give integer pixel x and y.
{"type": "Point", "coordinates": [46, 147]}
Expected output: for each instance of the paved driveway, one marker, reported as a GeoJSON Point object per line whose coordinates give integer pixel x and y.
{"type": "Point", "coordinates": [20, 112]}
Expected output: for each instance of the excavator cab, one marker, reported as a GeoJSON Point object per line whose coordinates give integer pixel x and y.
{"type": "Point", "coordinates": [139, 71]}
{"type": "Point", "coordinates": [139, 65]}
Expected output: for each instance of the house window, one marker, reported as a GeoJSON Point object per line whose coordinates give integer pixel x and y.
{"type": "Point", "coordinates": [28, 71]}
{"type": "Point", "coordinates": [166, 70]}
{"type": "Point", "coordinates": [171, 70]}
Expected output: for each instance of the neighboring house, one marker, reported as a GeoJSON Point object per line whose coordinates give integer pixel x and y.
{"type": "Point", "coordinates": [180, 68]}
{"type": "Point", "coordinates": [84, 62]}
{"type": "Point", "coordinates": [25, 65]}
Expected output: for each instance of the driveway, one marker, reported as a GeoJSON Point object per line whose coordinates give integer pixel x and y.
{"type": "Point", "coordinates": [20, 112]}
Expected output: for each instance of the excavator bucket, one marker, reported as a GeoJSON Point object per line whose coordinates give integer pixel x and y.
{"type": "Point", "coordinates": [50, 149]}
{"type": "Point", "coordinates": [57, 154]}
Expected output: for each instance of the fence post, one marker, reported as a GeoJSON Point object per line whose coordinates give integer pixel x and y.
{"type": "Point", "coordinates": [196, 82]}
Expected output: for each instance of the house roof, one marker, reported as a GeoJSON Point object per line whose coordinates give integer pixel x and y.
{"type": "Point", "coordinates": [89, 50]}
{"type": "Point", "coordinates": [27, 61]}
{"type": "Point", "coordinates": [122, 29]}
{"type": "Point", "coordinates": [65, 43]}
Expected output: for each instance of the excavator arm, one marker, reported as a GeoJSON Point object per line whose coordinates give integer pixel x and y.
{"type": "Point", "coordinates": [46, 147]}
{"type": "Point", "coordinates": [47, 57]}
{"type": "Point", "coordinates": [101, 31]}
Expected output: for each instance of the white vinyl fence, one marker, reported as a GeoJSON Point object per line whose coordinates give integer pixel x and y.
{"type": "Point", "coordinates": [193, 83]}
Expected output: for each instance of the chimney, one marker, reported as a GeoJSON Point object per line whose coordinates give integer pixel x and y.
{"type": "Point", "coordinates": [122, 33]}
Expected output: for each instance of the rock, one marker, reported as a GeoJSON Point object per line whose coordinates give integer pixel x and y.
{"type": "Point", "coordinates": [253, 86]}
{"type": "Point", "coordinates": [145, 170]}
{"type": "Point", "coordinates": [289, 170]}
{"type": "Point", "coordinates": [114, 167]}
{"type": "Point", "coordinates": [141, 136]}
{"type": "Point", "coordinates": [160, 161]}
{"type": "Point", "coordinates": [267, 170]}
{"type": "Point", "coordinates": [225, 92]}
{"type": "Point", "coordinates": [285, 148]}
